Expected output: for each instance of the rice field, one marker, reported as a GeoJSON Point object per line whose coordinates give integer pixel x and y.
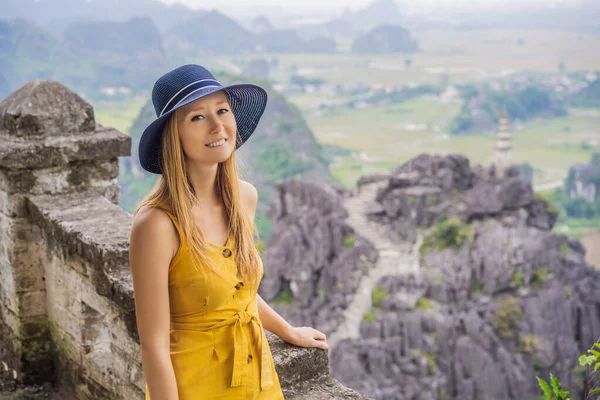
{"type": "Point", "coordinates": [119, 114]}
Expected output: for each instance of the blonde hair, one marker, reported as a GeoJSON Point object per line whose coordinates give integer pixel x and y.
{"type": "Point", "coordinates": [174, 190]}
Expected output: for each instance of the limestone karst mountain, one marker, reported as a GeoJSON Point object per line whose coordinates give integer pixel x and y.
{"type": "Point", "coordinates": [385, 39]}
{"type": "Point", "coordinates": [377, 12]}
{"type": "Point", "coordinates": [133, 37]}
{"type": "Point", "coordinates": [89, 56]}
{"type": "Point", "coordinates": [204, 35]}
{"type": "Point", "coordinates": [64, 12]}
{"type": "Point", "coordinates": [584, 180]}
{"type": "Point", "coordinates": [434, 281]}
{"type": "Point", "coordinates": [261, 24]}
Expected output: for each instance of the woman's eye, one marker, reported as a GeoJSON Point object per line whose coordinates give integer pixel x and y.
{"type": "Point", "coordinates": [221, 111]}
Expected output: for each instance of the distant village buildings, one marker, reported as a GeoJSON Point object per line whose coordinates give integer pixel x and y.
{"type": "Point", "coordinates": [113, 91]}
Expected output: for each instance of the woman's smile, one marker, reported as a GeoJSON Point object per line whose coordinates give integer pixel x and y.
{"type": "Point", "coordinates": [218, 143]}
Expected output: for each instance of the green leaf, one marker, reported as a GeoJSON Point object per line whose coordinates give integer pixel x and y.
{"type": "Point", "coordinates": [597, 345]}
{"type": "Point", "coordinates": [595, 391]}
{"type": "Point", "coordinates": [596, 367]}
{"type": "Point", "coordinates": [595, 352]}
{"type": "Point", "coordinates": [586, 360]}
{"type": "Point", "coordinates": [562, 395]}
{"type": "Point", "coordinates": [555, 384]}
{"type": "Point", "coordinates": [545, 388]}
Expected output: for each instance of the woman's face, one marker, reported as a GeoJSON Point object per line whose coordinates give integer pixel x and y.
{"type": "Point", "coordinates": [207, 129]}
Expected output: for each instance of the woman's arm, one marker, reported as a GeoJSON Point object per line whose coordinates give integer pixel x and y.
{"type": "Point", "coordinates": [303, 336]}
{"type": "Point", "coordinates": [153, 242]}
{"type": "Point", "coordinates": [272, 321]}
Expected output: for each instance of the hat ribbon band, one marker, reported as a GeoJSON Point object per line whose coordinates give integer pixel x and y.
{"type": "Point", "coordinates": [187, 91]}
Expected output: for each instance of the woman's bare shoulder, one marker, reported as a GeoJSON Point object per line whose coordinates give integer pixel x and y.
{"type": "Point", "coordinates": [249, 194]}
{"type": "Point", "coordinates": [153, 227]}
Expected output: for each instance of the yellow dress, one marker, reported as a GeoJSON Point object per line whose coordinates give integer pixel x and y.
{"type": "Point", "coordinates": [217, 343]}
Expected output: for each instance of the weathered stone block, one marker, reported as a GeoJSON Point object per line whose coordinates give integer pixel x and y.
{"type": "Point", "coordinates": [103, 144]}
{"type": "Point", "coordinates": [45, 108]}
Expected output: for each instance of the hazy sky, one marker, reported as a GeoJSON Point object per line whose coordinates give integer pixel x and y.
{"type": "Point", "coordinates": [315, 7]}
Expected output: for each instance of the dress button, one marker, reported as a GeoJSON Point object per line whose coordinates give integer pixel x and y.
{"type": "Point", "coordinates": [249, 358]}
{"type": "Point", "coordinates": [239, 285]}
{"type": "Point", "coordinates": [226, 253]}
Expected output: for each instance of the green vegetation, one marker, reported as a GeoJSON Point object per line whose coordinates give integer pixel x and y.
{"type": "Point", "coordinates": [450, 232]}
{"type": "Point", "coordinates": [285, 297]}
{"type": "Point", "coordinates": [476, 286]}
{"type": "Point", "coordinates": [540, 275]}
{"type": "Point", "coordinates": [379, 294]}
{"type": "Point", "coordinates": [119, 114]}
{"type": "Point", "coordinates": [369, 316]}
{"type": "Point", "coordinates": [575, 216]}
{"type": "Point", "coordinates": [589, 97]}
{"type": "Point", "coordinates": [263, 224]}
{"type": "Point", "coordinates": [525, 104]}
{"type": "Point", "coordinates": [432, 199]}
{"type": "Point", "coordinates": [423, 304]}
{"type": "Point", "coordinates": [564, 249]}
{"type": "Point", "coordinates": [507, 317]}
{"type": "Point", "coordinates": [517, 278]}
{"type": "Point", "coordinates": [322, 294]}
{"type": "Point", "coordinates": [568, 292]}
{"type": "Point", "coordinates": [590, 363]}
{"type": "Point", "coordinates": [349, 241]}
{"type": "Point", "coordinates": [418, 353]}
{"type": "Point", "coordinates": [529, 344]}
{"type": "Point", "coordinates": [278, 163]}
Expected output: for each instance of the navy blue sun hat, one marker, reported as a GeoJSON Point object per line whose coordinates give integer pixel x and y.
{"type": "Point", "coordinates": [185, 84]}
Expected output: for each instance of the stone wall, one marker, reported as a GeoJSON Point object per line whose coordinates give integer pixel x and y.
{"type": "Point", "coordinates": [67, 313]}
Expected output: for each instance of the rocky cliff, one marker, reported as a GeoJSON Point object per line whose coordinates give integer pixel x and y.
{"type": "Point", "coordinates": [584, 180]}
{"type": "Point", "coordinates": [435, 281]}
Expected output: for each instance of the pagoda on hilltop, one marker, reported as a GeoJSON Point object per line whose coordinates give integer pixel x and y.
{"type": "Point", "coordinates": [503, 146]}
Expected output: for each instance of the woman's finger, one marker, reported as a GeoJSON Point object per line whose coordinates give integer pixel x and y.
{"type": "Point", "coordinates": [321, 344]}
{"type": "Point", "coordinates": [320, 335]}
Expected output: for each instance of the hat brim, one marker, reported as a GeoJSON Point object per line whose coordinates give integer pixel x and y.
{"type": "Point", "coordinates": [248, 103]}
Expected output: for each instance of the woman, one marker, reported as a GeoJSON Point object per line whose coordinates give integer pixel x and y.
{"type": "Point", "coordinates": [194, 263]}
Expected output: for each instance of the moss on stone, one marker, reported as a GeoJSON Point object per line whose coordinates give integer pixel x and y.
{"type": "Point", "coordinates": [379, 294]}
{"type": "Point", "coordinates": [349, 241]}
{"type": "Point", "coordinates": [507, 317]}
{"type": "Point", "coordinates": [529, 344]}
{"type": "Point", "coordinates": [449, 232]}
{"type": "Point", "coordinates": [540, 275]}
{"type": "Point", "coordinates": [423, 304]}
{"type": "Point", "coordinates": [369, 316]}
{"type": "Point", "coordinates": [285, 297]}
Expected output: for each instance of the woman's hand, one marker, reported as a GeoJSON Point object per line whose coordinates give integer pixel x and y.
{"type": "Point", "coordinates": [305, 336]}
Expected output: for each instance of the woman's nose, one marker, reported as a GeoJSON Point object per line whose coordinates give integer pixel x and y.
{"type": "Point", "coordinates": [216, 125]}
